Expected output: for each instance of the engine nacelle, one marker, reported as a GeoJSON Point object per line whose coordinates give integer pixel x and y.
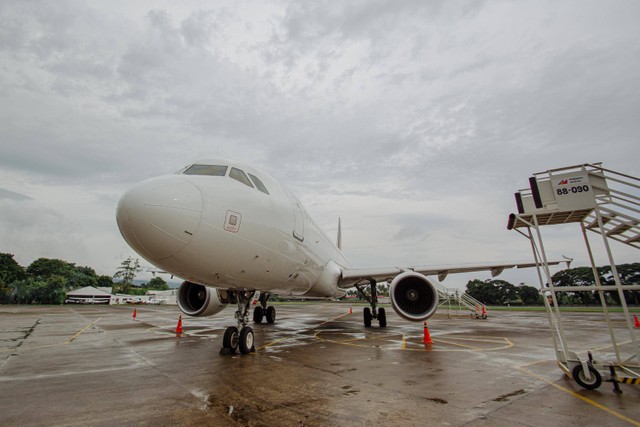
{"type": "Point", "coordinates": [413, 296]}
{"type": "Point", "coordinates": [199, 301]}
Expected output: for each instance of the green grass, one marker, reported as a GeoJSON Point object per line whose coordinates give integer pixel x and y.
{"type": "Point", "coordinates": [568, 309]}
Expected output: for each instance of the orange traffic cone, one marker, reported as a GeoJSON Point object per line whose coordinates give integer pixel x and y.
{"type": "Point", "coordinates": [134, 312]}
{"type": "Point", "coordinates": [427, 335]}
{"type": "Point", "coordinates": [179, 327]}
{"type": "Point", "coordinates": [636, 322]}
{"type": "Point", "coordinates": [350, 310]}
{"type": "Point", "coordinates": [484, 312]}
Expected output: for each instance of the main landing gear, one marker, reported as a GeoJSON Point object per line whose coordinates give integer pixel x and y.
{"type": "Point", "coordinates": [373, 312]}
{"type": "Point", "coordinates": [241, 337]}
{"type": "Point", "coordinates": [261, 311]}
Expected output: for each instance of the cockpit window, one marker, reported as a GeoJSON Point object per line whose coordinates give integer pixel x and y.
{"type": "Point", "coordinates": [259, 185]}
{"type": "Point", "coordinates": [238, 175]}
{"type": "Point", "coordinates": [211, 170]}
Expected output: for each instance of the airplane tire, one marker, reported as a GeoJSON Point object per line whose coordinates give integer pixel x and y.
{"type": "Point", "coordinates": [367, 317]}
{"type": "Point", "coordinates": [230, 339]}
{"type": "Point", "coordinates": [271, 314]}
{"type": "Point", "coordinates": [593, 383]}
{"type": "Point", "coordinates": [246, 340]}
{"type": "Point", "coordinates": [382, 318]}
{"type": "Point", "coordinates": [258, 314]}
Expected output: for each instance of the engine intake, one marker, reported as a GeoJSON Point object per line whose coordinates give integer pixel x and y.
{"type": "Point", "coordinates": [198, 300]}
{"type": "Point", "coordinates": [413, 296]}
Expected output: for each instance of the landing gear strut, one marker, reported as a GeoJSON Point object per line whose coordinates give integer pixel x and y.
{"type": "Point", "coordinates": [373, 312]}
{"type": "Point", "coordinates": [262, 310]}
{"type": "Point", "coordinates": [240, 337]}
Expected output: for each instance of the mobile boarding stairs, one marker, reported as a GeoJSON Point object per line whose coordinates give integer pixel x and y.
{"type": "Point", "coordinates": [453, 303]}
{"type": "Point", "coordinates": [606, 203]}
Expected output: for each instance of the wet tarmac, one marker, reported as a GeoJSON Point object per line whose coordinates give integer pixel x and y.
{"type": "Point", "coordinates": [316, 366]}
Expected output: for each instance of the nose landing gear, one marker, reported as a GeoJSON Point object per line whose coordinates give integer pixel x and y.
{"type": "Point", "coordinates": [240, 337]}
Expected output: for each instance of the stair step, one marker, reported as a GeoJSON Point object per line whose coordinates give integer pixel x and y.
{"type": "Point", "coordinates": [633, 239]}
{"type": "Point", "coordinates": [605, 220]}
{"type": "Point", "coordinates": [621, 228]}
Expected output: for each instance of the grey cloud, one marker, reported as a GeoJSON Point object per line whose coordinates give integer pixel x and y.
{"type": "Point", "coordinates": [406, 100]}
{"type": "Point", "coordinates": [202, 26]}
{"type": "Point", "coordinates": [327, 27]}
{"type": "Point", "coordinates": [307, 22]}
{"type": "Point", "coordinates": [414, 234]}
{"type": "Point", "coordinates": [31, 231]}
{"type": "Point", "coordinates": [12, 195]}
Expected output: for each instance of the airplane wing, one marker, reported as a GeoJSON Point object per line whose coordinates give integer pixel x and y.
{"type": "Point", "coordinates": [355, 276]}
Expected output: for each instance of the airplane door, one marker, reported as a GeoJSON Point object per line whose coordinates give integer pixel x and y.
{"type": "Point", "coordinates": [298, 215]}
{"type": "Point", "coordinates": [298, 221]}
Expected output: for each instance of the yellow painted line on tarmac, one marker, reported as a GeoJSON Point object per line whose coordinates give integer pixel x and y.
{"type": "Point", "coordinates": [578, 396]}
{"type": "Point", "coordinates": [19, 349]}
{"type": "Point", "coordinates": [459, 345]}
{"type": "Point", "coordinates": [358, 342]}
{"type": "Point", "coordinates": [489, 340]}
{"type": "Point", "coordinates": [332, 320]}
{"type": "Point", "coordinates": [610, 346]}
{"type": "Point", "coordinates": [359, 339]}
{"type": "Point", "coordinates": [70, 340]}
{"type": "Point", "coordinates": [345, 342]}
{"type": "Point", "coordinates": [505, 341]}
{"type": "Point", "coordinates": [349, 342]}
{"type": "Point", "coordinates": [171, 330]}
{"type": "Point", "coordinates": [272, 343]}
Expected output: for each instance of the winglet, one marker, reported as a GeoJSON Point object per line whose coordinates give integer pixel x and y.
{"type": "Point", "coordinates": [339, 241]}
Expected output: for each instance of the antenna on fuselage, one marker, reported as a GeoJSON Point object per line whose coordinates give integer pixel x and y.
{"type": "Point", "coordinates": [339, 241]}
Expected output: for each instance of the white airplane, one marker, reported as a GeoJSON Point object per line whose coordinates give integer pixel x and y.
{"type": "Point", "coordinates": [234, 233]}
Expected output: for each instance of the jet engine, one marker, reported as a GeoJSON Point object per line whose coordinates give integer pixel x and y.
{"type": "Point", "coordinates": [199, 301]}
{"type": "Point", "coordinates": [413, 296]}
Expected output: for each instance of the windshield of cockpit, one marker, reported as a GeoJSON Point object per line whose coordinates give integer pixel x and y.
{"type": "Point", "coordinates": [239, 175]}
{"type": "Point", "coordinates": [211, 170]}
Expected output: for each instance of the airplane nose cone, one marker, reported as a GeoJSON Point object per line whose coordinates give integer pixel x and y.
{"type": "Point", "coordinates": [159, 217]}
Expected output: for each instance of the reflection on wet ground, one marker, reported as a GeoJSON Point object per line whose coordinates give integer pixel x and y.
{"type": "Point", "coordinates": [317, 365]}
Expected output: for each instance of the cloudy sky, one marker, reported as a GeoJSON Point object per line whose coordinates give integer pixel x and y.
{"type": "Point", "coordinates": [414, 121]}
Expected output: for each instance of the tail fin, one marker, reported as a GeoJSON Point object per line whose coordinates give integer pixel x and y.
{"type": "Point", "coordinates": [339, 241]}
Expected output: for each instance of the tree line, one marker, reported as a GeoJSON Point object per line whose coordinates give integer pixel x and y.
{"type": "Point", "coordinates": [500, 292]}
{"type": "Point", "coordinates": [47, 281]}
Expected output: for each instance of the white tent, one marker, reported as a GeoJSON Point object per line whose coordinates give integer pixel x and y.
{"type": "Point", "coordinates": [88, 295]}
